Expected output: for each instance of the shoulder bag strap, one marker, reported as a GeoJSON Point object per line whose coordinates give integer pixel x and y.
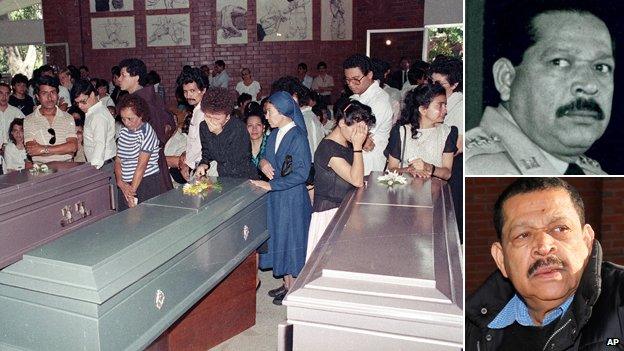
{"type": "Point", "coordinates": [404, 140]}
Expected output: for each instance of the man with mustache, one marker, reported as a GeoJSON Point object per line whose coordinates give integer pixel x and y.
{"type": "Point", "coordinates": [552, 291]}
{"type": "Point", "coordinates": [194, 86]}
{"type": "Point", "coordinates": [554, 76]}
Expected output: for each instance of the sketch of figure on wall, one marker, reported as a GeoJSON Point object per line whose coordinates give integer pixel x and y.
{"type": "Point", "coordinates": [168, 30]}
{"type": "Point", "coordinates": [285, 20]}
{"type": "Point", "coordinates": [231, 23]}
{"type": "Point", "coordinates": [272, 20]}
{"type": "Point", "coordinates": [111, 5]}
{"type": "Point", "coordinates": [338, 19]}
{"type": "Point", "coordinates": [166, 4]}
{"type": "Point", "coordinates": [297, 19]}
{"type": "Point", "coordinates": [113, 38]}
{"type": "Point", "coordinates": [112, 32]}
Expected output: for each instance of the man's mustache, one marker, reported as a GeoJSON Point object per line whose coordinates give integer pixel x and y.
{"type": "Point", "coordinates": [545, 262]}
{"type": "Point", "coordinates": [581, 104]}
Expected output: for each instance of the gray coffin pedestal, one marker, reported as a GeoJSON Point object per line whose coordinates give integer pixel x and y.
{"type": "Point", "coordinates": [38, 208]}
{"type": "Point", "coordinates": [119, 283]}
{"type": "Point", "coordinates": [386, 275]}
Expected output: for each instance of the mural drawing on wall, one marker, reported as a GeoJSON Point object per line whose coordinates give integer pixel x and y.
{"type": "Point", "coordinates": [111, 5]}
{"type": "Point", "coordinates": [281, 20]}
{"type": "Point", "coordinates": [112, 32]}
{"type": "Point", "coordinates": [166, 4]}
{"type": "Point", "coordinates": [336, 19]}
{"type": "Point", "coordinates": [168, 30]}
{"type": "Point", "coordinates": [231, 23]}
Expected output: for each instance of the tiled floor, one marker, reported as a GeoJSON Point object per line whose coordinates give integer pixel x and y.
{"type": "Point", "coordinates": [263, 335]}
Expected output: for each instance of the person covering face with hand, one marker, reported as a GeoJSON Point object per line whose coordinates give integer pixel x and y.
{"type": "Point", "coordinates": [339, 166]}
{"type": "Point", "coordinates": [224, 139]}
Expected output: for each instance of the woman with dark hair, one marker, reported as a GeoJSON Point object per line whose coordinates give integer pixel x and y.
{"type": "Point", "coordinates": [15, 151]}
{"type": "Point", "coordinates": [136, 164]}
{"type": "Point", "coordinates": [256, 126]}
{"type": "Point", "coordinates": [338, 166]}
{"type": "Point", "coordinates": [287, 165]}
{"type": "Point", "coordinates": [101, 88]}
{"type": "Point", "coordinates": [420, 144]}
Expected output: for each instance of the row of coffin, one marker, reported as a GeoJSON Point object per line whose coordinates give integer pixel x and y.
{"type": "Point", "coordinates": [386, 274]}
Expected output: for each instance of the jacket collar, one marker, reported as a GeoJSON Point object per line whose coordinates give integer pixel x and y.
{"type": "Point", "coordinates": [486, 303]}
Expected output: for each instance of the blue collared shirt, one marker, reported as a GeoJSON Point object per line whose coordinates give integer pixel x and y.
{"type": "Point", "coordinates": [517, 311]}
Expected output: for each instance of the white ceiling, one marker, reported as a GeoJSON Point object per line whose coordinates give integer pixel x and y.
{"type": "Point", "coordinates": [7, 6]}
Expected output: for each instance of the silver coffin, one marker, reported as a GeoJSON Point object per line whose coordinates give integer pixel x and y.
{"type": "Point", "coordinates": [386, 275]}
{"type": "Point", "coordinates": [119, 283]}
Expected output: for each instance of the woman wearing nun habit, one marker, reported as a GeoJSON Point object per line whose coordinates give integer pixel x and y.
{"type": "Point", "coordinates": [287, 165]}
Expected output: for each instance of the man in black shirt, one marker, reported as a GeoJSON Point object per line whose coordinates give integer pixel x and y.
{"type": "Point", "coordinates": [19, 98]}
{"type": "Point", "coordinates": [224, 139]}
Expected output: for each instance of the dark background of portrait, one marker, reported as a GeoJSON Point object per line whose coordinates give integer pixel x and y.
{"type": "Point", "coordinates": [481, 92]}
{"type": "Point", "coordinates": [604, 211]}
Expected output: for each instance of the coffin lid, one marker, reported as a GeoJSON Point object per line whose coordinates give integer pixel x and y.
{"type": "Point", "coordinates": [18, 189]}
{"type": "Point", "coordinates": [98, 261]}
{"type": "Point", "coordinates": [14, 181]}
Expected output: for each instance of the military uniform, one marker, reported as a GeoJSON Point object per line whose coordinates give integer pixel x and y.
{"type": "Point", "coordinates": [498, 146]}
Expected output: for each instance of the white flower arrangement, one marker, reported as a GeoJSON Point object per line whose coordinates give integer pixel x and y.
{"type": "Point", "coordinates": [392, 178]}
{"type": "Point", "coordinates": [40, 168]}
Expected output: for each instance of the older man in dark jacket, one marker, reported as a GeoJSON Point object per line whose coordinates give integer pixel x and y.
{"type": "Point", "coordinates": [552, 290]}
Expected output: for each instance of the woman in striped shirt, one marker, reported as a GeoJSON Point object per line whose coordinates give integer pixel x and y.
{"type": "Point", "coordinates": [136, 164]}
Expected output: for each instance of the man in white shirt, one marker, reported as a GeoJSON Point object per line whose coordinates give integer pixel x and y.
{"type": "Point", "coordinates": [99, 127]}
{"type": "Point", "coordinates": [221, 78]}
{"type": "Point", "coordinates": [323, 84]}
{"type": "Point", "coordinates": [194, 87]}
{"type": "Point", "coordinates": [358, 71]}
{"type": "Point", "coordinates": [302, 73]}
{"type": "Point", "coordinates": [7, 114]}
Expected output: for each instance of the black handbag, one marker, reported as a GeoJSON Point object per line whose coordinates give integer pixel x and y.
{"type": "Point", "coordinates": [286, 166]}
{"type": "Point", "coordinates": [287, 169]}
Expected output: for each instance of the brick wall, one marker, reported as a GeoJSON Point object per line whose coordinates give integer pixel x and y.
{"type": "Point", "coordinates": [69, 21]}
{"type": "Point", "coordinates": [604, 207]}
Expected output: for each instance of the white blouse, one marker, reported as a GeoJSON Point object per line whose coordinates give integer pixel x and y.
{"type": "Point", "coordinates": [429, 146]}
{"type": "Point", "coordinates": [13, 157]}
{"type": "Point", "coordinates": [252, 89]}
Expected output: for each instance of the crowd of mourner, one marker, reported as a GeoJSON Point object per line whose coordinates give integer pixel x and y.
{"type": "Point", "coordinates": [305, 140]}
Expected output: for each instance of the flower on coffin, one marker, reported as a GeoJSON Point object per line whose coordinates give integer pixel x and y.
{"type": "Point", "coordinates": [200, 187]}
{"type": "Point", "coordinates": [391, 179]}
{"type": "Point", "coordinates": [40, 168]}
